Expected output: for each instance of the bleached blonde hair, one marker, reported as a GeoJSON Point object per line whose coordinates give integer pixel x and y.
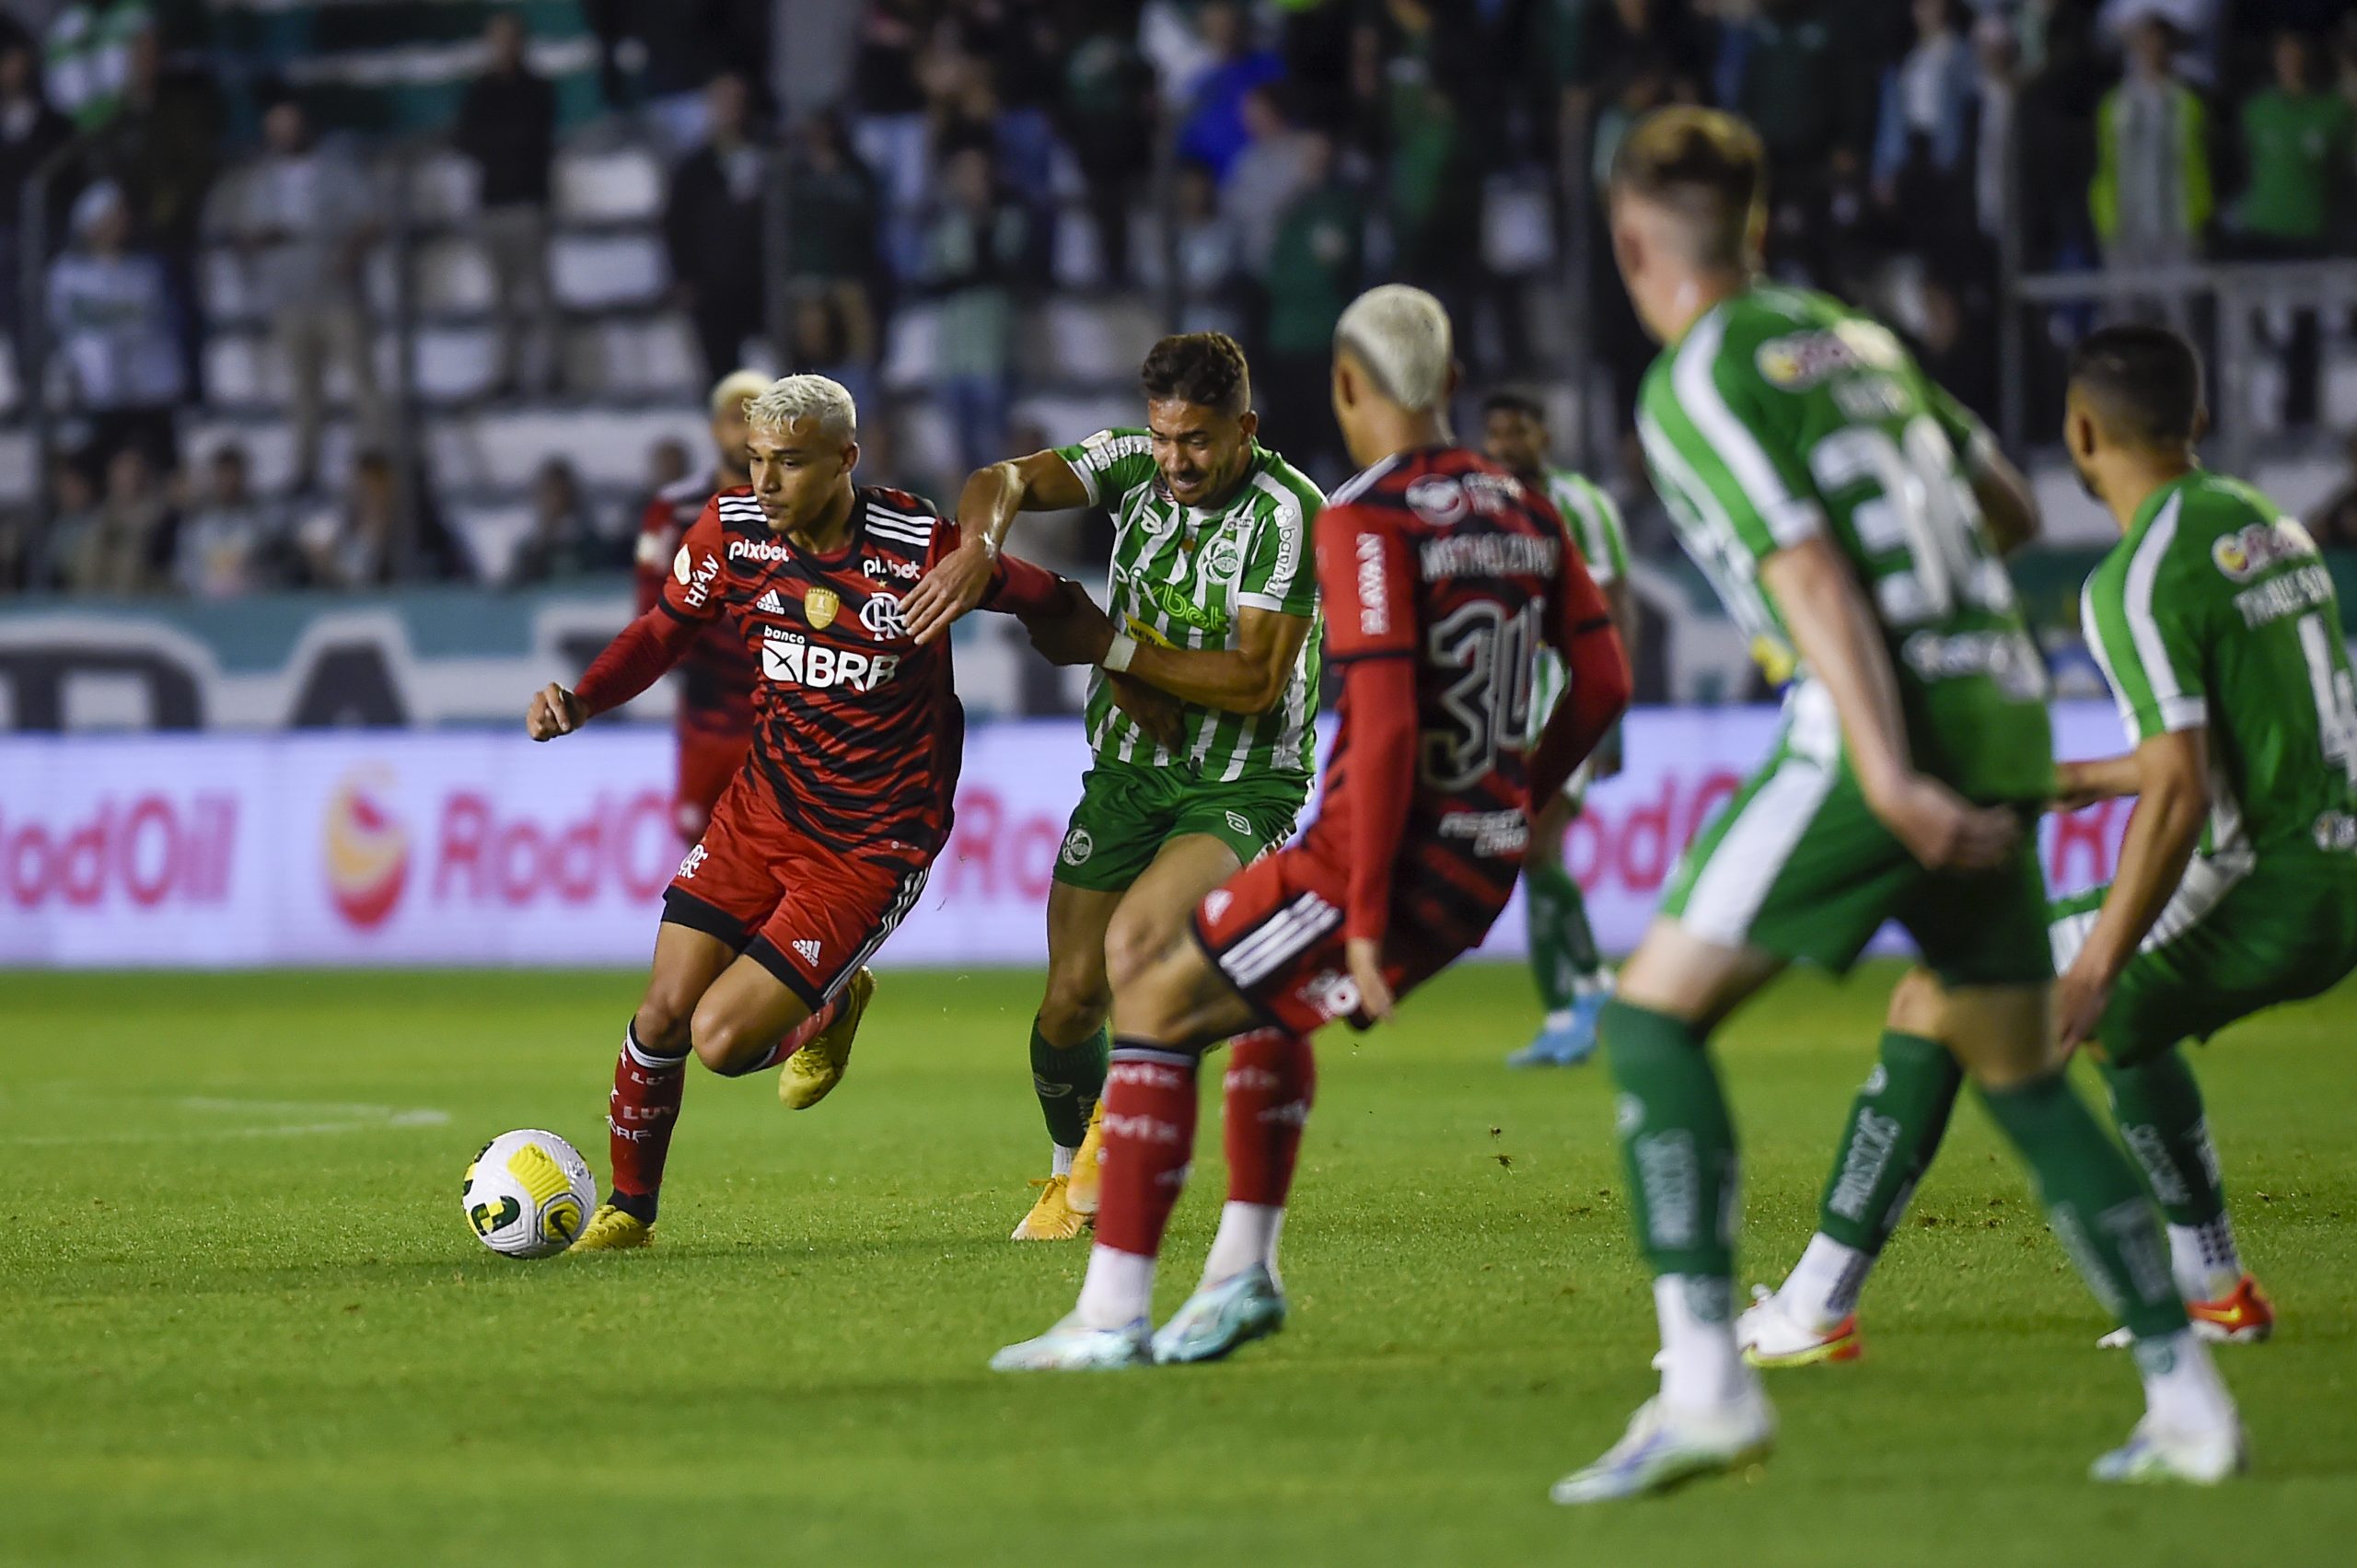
{"type": "Point", "coordinates": [1401, 335]}
{"type": "Point", "coordinates": [736, 389]}
{"type": "Point", "coordinates": [796, 400]}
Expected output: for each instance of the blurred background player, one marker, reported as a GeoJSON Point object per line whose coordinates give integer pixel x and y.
{"type": "Point", "coordinates": [820, 846]}
{"type": "Point", "coordinates": [715, 717]}
{"type": "Point", "coordinates": [1213, 589]}
{"type": "Point", "coordinates": [1441, 572]}
{"type": "Point", "coordinates": [1572, 981]}
{"type": "Point", "coordinates": [1841, 502]}
{"type": "Point", "coordinates": [2217, 627]}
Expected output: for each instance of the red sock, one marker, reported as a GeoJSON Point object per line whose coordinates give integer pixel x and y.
{"type": "Point", "coordinates": [640, 1116]}
{"type": "Point", "coordinates": [796, 1038]}
{"type": "Point", "coordinates": [1271, 1079]}
{"type": "Point", "coordinates": [1149, 1138]}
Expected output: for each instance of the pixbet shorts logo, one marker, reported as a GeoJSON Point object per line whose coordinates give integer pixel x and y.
{"type": "Point", "coordinates": [1078, 847]}
{"type": "Point", "coordinates": [368, 848]}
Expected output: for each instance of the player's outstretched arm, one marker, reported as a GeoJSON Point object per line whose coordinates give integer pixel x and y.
{"type": "Point", "coordinates": [1043, 482]}
{"type": "Point", "coordinates": [1247, 679]}
{"type": "Point", "coordinates": [2103, 778]}
{"type": "Point", "coordinates": [634, 661]}
{"type": "Point", "coordinates": [2173, 771]}
{"type": "Point", "coordinates": [1842, 643]}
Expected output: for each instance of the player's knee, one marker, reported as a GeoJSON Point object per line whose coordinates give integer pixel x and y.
{"type": "Point", "coordinates": [661, 1022]}
{"type": "Point", "coordinates": [723, 1041]}
{"type": "Point", "coordinates": [1133, 946]}
{"type": "Point", "coordinates": [1075, 1005]}
{"type": "Point", "coordinates": [1917, 1005]}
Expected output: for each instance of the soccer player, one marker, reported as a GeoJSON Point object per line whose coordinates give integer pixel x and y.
{"type": "Point", "coordinates": [2218, 629]}
{"type": "Point", "coordinates": [1441, 573]}
{"type": "Point", "coordinates": [1572, 981]}
{"type": "Point", "coordinates": [1841, 502]}
{"type": "Point", "coordinates": [1215, 599]}
{"type": "Point", "coordinates": [715, 718]}
{"type": "Point", "coordinates": [821, 844]}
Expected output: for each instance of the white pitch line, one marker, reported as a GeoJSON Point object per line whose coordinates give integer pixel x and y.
{"type": "Point", "coordinates": [353, 1119]}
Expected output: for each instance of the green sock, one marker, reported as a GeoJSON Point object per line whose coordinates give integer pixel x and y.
{"type": "Point", "coordinates": [1676, 1140]}
{"type": "Point", "coordinates": [2158, 1107]}
{"type": "Point", "coordinates": [1068, 1079]}
{"type": "Point", "coordinates": [1894, 1128]}
{"type": "Point", "coordinates": [2094, 1202]}
{"type": "Point", "coordinates": [1550, 894]}
{"type": "Point", "coordinates": [1587, 965]}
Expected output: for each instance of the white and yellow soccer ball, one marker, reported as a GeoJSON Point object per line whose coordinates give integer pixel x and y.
{"type": "Point", "coordinates": [528, 1194]}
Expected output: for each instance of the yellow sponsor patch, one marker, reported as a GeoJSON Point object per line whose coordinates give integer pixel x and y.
{"type": "Point", "coordinates": [1145, 633]}
{"type": "Point", "coordinates": [537, 1169]}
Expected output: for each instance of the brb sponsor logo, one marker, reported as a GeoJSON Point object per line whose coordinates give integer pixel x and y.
{"type": "Point", "coordinates": [797, 661]}
{"type": "Point", "coordinates": [368, 848]}
{"type": "Point", "coordinates": [148, 849]}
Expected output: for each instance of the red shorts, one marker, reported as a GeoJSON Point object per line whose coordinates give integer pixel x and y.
{"type": "Point", "coordinates": [808, 914]}
{"type": "Point", "coordinates": [1274, 933]}
{"type": "Point", "coordinates": [708, 760]}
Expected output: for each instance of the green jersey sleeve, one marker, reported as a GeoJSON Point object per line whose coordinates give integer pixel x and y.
{"type": "Point", "coordinates": [1111, 463]}
{"type": "Point", "coordinates": [2147, 638]}
{"type": "Point", "coordinates": [1595, 520]}
{"type": "Point", "coordinates": [1278, 573]}
{"type": "Point", "coordinates": [1729, 442]}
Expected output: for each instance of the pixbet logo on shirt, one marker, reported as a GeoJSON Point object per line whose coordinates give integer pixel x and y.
{"type": "Point", "coordinates": [800, 662]}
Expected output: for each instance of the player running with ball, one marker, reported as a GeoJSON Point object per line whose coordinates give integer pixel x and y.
{"type": "Point", "coordinates": [821, 844]}
{"type": "Point", "coordinates": [1442, 574]}
{"type": "Point", "coordinates": [2217, 626]}
{"type": "Point", "coordinates": [1201, 715]}
{"type": "Point", "coordinates": [1842, 503]}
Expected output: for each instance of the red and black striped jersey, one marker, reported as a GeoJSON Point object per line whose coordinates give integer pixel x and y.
{"type": "Point", "coordinates": [716, 675]}
{"type": "Point", "coordinates": [1446, 568]}
{"type": "Point", "coordinates": [857, 732]}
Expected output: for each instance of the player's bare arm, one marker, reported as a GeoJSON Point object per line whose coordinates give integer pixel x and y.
{"type": "Point", "coordinates": [2101, 778]}
{"type": "Point", "coordinates": [2007, 502]}
{"type": "Point", "coordinates": [1842, 643]}
{"type": "Point", "coordinates": [986, 508]}
{"type": "Point", "coordinates": [2173, 772]}
{"type": "Point", "coordinates": [1247, 679]}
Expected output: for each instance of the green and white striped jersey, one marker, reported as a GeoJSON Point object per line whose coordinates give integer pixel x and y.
{"type": "Point", "coordinates": [1594, 520]}
{"type": "Point", "coordinates": [2215, 612]}
{"type": "Point", "coordinates": [1179, 576]}
{"type": "Point", "coordinates": [1783, 416]}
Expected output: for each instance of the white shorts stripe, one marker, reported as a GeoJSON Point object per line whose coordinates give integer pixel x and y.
{"type": "Point", "coordinates": [1282, 920]}
{"type": "Point", "coordinates": [1744, 864]}
{"type": "Point", "coordinates": [903, 902]}
{"type": "Point", "coordinates": [1305, 932]}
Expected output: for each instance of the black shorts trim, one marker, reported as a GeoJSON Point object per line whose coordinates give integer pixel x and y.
{"type": "Point", "coordinates": [683, 908]}
{"type": "Point", "coordinates": [764, 952]}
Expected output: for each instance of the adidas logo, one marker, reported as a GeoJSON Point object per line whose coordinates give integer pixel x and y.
{"type": "Point", "coordinates": [771, 604]}
{"type": "Point", "coordinates": [809, 950]}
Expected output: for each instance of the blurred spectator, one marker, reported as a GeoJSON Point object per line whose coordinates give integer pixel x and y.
{"type": "Point", "coordinates": [564, 542]}
{"type": "Point", "coordinates": [713, 228]}
{"type": "Point", "coordinates": [164, 149]}
{"type": "Point", "coordinates": [2300, 140]}
{"type": "Point", "coordinates": [88, 57]}
{"type": "Point", "coordinates": [1434, 193]}
{"type": "Point", "coordinates": [2151, 199]}
{"type": "Point", "coordinates": [1107, 119]}
{"type": "Point", "coordinates": [351, 546]}
{"type": "Point", "coordinates": [976, 247]}
{"type": "Point", "coordinates": [2059, 102]}
{"type": "Point", "coordinates": [1313, 272]}
{"type": "Point", "coordinates": [30, 132]}
{"type": "Point", "coordinates": [1266, 175]}
{"type": "Point", "coordinates": [831, 226]}
{"type": "Point", "coordinates": [2334, 522]}
{"type": "Point", "coordinates": [110, 311]}
{"type": "Point", "coordinates": [821, 342]}
{"type": "Point", "coordinates": [1597, 41]}
{"type": "Point", "coordinates": [1995, 109]}
{"type": "Point", "coordinates": [1927, 104]}
{"type": "Point", "coordinates": [668, 462]}
{"type": "Point", "coordinates": [124, 544]}
{"type": "Point", "coordinates": [232, 542]}
{"type": "Point", "coordinates": [1211, 254]}
{"type": "Point", "coordinates": [658, 57]}
{"type": "Point", "coordinates": [507, 126]}
{"type": "Point", "coordinates": [1214, 132]}
{"type": "Point", "coordinates": [1800, 86]}
{"type": "Point", "coordinates": [310, 218]}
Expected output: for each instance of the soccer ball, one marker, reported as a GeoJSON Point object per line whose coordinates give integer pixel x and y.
{"type": "Point", "coordinates": [528, 1193]}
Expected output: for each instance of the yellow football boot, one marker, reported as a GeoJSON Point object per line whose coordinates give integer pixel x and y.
{"type": "Point", "coordinates": [1051, 1218]}
{"type": "Point", "coordinates": [811, 1073]}
{"type": "Point", "coordinates": [614, 1230]}
{"type": "Point", "coordinates": [1087, 1183]}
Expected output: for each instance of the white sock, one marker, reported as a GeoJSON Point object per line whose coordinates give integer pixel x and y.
{"type": "Point", "coordinates": [2204, 1259]}
{"type": "Point", "coordinates": [1823, 1287]}
{"type": "Point", "coordinates": [1062, 1164]}
{"type": "Point", "coordinates": [1561, 1018]}
{"type": "Point", "coordinates": [1247, 1235]}
{"type": "Point", "coordinates": [1700, 1368]}
{"type": "Point", "coordinates": [1117, 1289]}
{"type": "Point", "coordinates": [2182, 1388]}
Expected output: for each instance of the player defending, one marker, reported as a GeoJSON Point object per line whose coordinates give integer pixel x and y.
{"type": "Point", "coordinates": [1817, 476]}
{"type": "Point", "coordinates": [1214, 592]}
{"type": "Point", "coordinates": [715, 722]}
{"type": "Point", "coordinates": [1572, 981]}
{"type": "Point", "coordinates": [821, 844]}
{"type": "Point", "coordinates": [2218, 629]}
{"type": "Point", "coordinates": [1442, 574]}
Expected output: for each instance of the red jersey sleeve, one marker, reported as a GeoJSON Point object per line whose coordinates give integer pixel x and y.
{"type": "Point", "coordinates": [653, 557]}
{"type": "Point", "coordinates": [687, 600]}
{"type": "Point", "coordinates": [1368, 588]}
{"type": "Point", "coordinates": [691, 589]}
{"type": "Point", "coordinates": [1597, 682]}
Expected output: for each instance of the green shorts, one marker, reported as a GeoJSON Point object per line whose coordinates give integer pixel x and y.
{"type": "Point", "coordinates": [1796, 865]}
{"type": "Point", "coordinates": [1127, 813]}
{"type": "Point", "coordinates": [2241, 933]}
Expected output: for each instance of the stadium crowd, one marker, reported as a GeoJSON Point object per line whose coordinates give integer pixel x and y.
{"type": "Point", "coordinates": [1251, 165]}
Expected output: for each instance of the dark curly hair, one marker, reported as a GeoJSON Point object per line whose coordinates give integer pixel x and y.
{"type": "Point", "coordinates": [1205, 369]}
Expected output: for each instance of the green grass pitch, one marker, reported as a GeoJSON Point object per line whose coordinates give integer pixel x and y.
{"type": "Point", "coordinates": [241, 1318]}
